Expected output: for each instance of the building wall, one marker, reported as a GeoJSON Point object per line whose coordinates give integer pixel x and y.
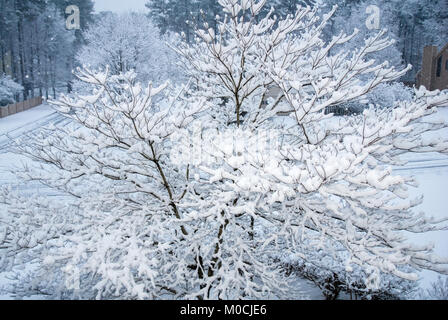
{"type": "Point", "coordinates": [428, 76]}
{"type": "Point", "coordinates": [441, 81]}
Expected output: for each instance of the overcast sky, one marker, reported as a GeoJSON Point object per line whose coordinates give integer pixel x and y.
{"type": "Point", "coordinates": [120, 5]}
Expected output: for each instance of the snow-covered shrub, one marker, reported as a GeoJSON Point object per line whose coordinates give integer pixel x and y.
{"type": "Point", "coordinates": [195, 194]}
{"type": "Point", "coordinates": [387, 95]}
{"type": "Point", "coordinates": [8, 90]}
{"type": "Point", "coordinates": [438, 290]}
{"type": "Point", "coordinates": [342, 283]}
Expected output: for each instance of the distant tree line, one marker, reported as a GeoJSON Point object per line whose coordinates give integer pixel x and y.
{"type": "Point", "coordinates": [36, 49]}
{"type": "Point", "coordinates": [414, 23]}
{"type": "Point", "coordinates": [38, 52]}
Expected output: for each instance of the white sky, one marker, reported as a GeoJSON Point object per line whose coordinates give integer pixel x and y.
{"type": "Point", "coordinates": [120, 5]}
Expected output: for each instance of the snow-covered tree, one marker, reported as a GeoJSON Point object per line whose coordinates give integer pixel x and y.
{"type": "Point", "coordinates": [327, 185]}
{"type": "Point", "coordinates": [125, 42]}
{"type": "Point", "coordinates": [117, 126]}
{"type": "Point", "coordinates": [179, 16]}
{"type": "Point", "coordinates": [36, 49]}
{"type": "Point", "coordinates": [205, 192]}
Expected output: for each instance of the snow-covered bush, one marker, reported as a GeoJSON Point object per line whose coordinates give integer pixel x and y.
{"type": "Point", "coordinates": [8, 90]}
{"type": "Point", "coordinates": [197, 193]}
{"type": "Point", "coordinates": [387, 95]}
{"type": "Point", "coordinates": [438, 290]}
{"type": "Point", "coordinates": [350, 284]}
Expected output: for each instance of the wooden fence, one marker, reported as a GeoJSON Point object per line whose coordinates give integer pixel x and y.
{"type": "Point", "coordinates": [11, 109]}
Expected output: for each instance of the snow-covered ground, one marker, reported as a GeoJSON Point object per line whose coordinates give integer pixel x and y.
{"type": "Point", "coordinates": [430, 170]}
{"type": "Point", "coordinates": [433, 184]}
{"type": "Point", "coordinates": [16, 125]}
{"type": "Point", "coordinates": [13, 127]}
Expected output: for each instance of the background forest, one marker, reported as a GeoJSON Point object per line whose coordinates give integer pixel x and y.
{"type": "Point", "coordinates": [38, 53]}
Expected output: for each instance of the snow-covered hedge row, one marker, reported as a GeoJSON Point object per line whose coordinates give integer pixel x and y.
{"type": "Point", "coordinates": [8, 89]}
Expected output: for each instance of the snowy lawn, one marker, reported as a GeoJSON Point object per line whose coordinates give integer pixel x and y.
{"type": "Point", "coordinates": [13, 127]}
{"type": "Point", "coordinates": [25, 120]}
{"type": "Point", "coordinates": [16, 125]}
{"type": "Point", "coordinates": [431, 171]}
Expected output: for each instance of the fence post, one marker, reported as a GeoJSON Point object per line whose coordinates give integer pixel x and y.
{"type": "Point", "coordinates": [4, 112]}
{"type": "Point", "coordinates": [12, 109]}
{"type": "Point", "coordinates": [20, 107]}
